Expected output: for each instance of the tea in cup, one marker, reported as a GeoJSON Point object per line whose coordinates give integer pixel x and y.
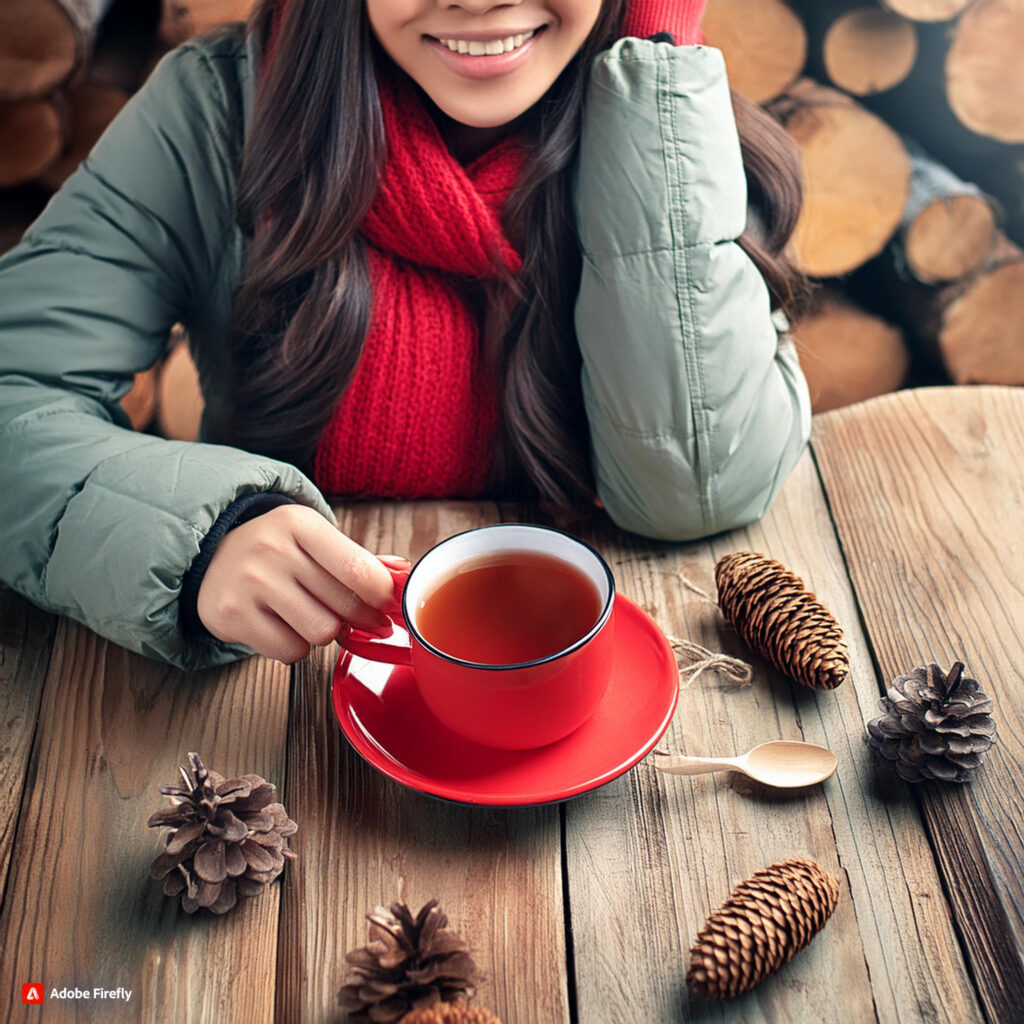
{"type": "Point", "coordinates": [510, 634]}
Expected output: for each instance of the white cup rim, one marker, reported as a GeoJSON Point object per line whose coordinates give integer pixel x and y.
{"type": "Point", "coordinates": [602, 619]}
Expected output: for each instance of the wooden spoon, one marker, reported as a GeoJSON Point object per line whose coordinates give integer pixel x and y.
{"type": "Point", "coordinates": [781, 763]}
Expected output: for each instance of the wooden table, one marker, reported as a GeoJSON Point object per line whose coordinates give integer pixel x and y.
{"type": "Point", "coordinates": [906, 519]}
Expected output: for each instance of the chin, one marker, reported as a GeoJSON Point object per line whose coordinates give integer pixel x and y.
{"type": "Point", "coordinates": [488, 118]}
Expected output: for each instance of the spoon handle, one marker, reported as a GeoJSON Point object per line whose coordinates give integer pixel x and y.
{"type": "Point", "coordinates": [680, 764]}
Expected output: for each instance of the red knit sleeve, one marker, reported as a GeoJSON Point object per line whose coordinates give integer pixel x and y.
{"type": "Point", "coordinates": [680, 17]}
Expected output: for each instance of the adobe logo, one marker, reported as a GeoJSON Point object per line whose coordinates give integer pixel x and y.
{"type": "Point", "coordinates": [32, 992]}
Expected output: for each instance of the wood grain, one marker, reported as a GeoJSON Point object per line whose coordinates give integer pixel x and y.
{"type": "Point", "coordinates": [915, 546]}
{"type": "Point", "coordinates": [656, 854]}
{"type": "Point", "coordinates": [81, 909]}
{"type": "Point", "coordinates": [26, 637]}
{"type": "Point", "coordinates": [926, 492]}
{"type": "Point", "coordinates": [364, 840]}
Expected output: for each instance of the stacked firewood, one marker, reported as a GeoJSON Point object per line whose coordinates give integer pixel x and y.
{"type": "Point", "coordinates": [67, 67]}
{"type": "Point", "coordinates": [909, 116]}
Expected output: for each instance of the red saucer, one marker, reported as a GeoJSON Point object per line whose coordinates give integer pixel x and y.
{"type": "Point", "coordinates": [383, 716]}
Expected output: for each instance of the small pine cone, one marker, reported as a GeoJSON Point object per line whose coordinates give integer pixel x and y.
{"type": "Point", "coordinates": [934, 725]}
{"type": "Point", "coordinates": [229, 839]}
{"type": "Point", "coordinates": [409, 964]}
{"type": "Point", "coordinates": [779, 618]}
{"type": "Point", "coordinates": [766, 921]}
{"type": "Point", "coordinates": [451, 1013]}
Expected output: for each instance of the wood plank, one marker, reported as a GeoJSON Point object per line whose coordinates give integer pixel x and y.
{"type": "Point", "coordinates": [81, 909]}
{"type": "Point", "coordinates": [364, 840]}
{"type": "Point", "coordinates": [657, 854]}
{"type": "Point", "coordinates": [26, 637]}
{"type": "Point", "coordinates": [926, 491]}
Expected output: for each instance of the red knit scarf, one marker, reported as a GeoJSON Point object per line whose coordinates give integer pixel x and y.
{"type": "Point", "coordinates": [419, 417]}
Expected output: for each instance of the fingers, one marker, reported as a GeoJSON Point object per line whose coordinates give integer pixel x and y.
{"type": "Point", "coordinates": [274, 638]}
{"type": "Point", "coordinates": [345, 560]}
{"type": "Point", "coordinates": [302, 612]}
{"type": "Point", "coordinates": [289, 579]}
{"type": "Point", "coordinates": [336, 597]}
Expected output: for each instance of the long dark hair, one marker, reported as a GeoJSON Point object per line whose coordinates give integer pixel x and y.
{"type": "Point", "coordinates": [302, 310]}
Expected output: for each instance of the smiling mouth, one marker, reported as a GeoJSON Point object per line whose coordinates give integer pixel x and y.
{"type": "Point", "coordinates": [487, 47]}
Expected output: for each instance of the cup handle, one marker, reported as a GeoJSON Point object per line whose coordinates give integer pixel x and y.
{"type": "Point", "coordinates": [367, 645]}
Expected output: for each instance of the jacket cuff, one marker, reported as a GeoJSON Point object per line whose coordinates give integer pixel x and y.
{"type": "Point", "coordinates": [680, 17]}
{"type": "Point", "coordinates": [241, 510]}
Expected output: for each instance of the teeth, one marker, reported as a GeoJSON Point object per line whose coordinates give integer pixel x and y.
{"type": "Point", "coordinates": [488, 49]}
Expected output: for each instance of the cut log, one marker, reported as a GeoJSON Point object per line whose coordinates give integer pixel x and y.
{"type": "Point", "coordinates": [183, 19]}
{"type": "Point", "coordinates": [985, 69]}
{"type": "Point", "coordinates": [140, 402]}
{"type": "Point", "coordinates": [763, 42]}
{"type": "Point", "coordinates": [90, 108]}
{"type": "Point", "coordinates": [43, 42]}
{"type": "Point", "coordinates": [31, 137]}
{"type": "Point", "coordinates": [980, 338]}
{"type": "Point", "coordinates": [848, 354]}
{"type": "Point", "coordinates": [926, 10]}
{"type": "Point", "coordinates": [949, 225]}
{"type": "Point", "coordinates": [918, 107]}
{"type": "Point", "coordinates": [868, 50]}
{"type": "Point", "coordinates": [973, 327]}
{"type": "Point", "coordinates": [179, 400]}
{"type": "Point", "coordinates": [856, 178]}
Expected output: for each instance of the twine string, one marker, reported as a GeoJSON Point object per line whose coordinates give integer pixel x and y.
{"type": "Point", "coordinates": [738, 672]}
{"type": "Point", "coordinates": [690, 585]}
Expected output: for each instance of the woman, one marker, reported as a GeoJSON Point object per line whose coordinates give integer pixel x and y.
{"type": "Point", "coordinates": [407, 269]}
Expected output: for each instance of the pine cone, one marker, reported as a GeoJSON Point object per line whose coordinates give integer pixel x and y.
{"type": "Point", "coordinates": [451, 1013]}
{"type": "Point", "coordinates": [934, 725]}
{"type": "Point", "coordinates": [229, 840]}
{"type": "Point", "coordinates": [778, 617]}
{"type": "Point", "coordinates": [766, 921]}
{"type": "Point", "coordinates": [410, 964]}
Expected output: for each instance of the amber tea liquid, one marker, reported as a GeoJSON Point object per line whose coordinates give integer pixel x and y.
{"type": "Point", "coordinates": [509, 607]}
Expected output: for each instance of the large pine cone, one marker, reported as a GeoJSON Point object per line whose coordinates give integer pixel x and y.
{"type": "Point", "coordinates": [934, 725]}
{"type": "Point", "coordinates": [777, 616]}
{"type": "Point", "coordinates": [410, 964]}
{"type": "Point", "coordinates": [451, 1013]}
{"type": "Point", "coordinates": [766, 921]}
{"type": "Point", "coordinates": [229, 839]}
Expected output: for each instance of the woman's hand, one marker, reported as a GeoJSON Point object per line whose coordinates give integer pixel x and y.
{"type": "Point", "coordinates": [287, 580]}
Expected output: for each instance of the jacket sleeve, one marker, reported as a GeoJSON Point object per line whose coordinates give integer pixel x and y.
{"type": "Point", "coordinates": [698, 410]}
{"type": "Point", "coordinates": [98, 522]}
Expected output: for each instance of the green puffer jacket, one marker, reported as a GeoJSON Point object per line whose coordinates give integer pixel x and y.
{"type": "Point", "coordinates": [698, 409]}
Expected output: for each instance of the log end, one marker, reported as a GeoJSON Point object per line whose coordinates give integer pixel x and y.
{"type": "Point", "coordinates": [31, 136]}
{"type": "Point", "coordinates": [869, 50]}
{"type": "Point", "coordinates": [140, 402]}
{"type": "Point", "coordinates": [763, 41]}
{"type": "Point", "coordinates": [980, 337]}
{"type": "Point", "coordinates": [984, 81]}
{"type": "Point", "coordinates": [857, 180]}
{"type": "Point", "coordinates": [950, 237]}
{"type": "Point", "coordinates": [39, 48]}
{"type": "Point", "coordinates": [927, 10]}
{"type": "Point", "coordinates": [179, 399]}
{"type": "Point", "coordinates": [849, 355]}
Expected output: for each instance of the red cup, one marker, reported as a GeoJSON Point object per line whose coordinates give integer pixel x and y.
{"type": "Point", "coordinates": [509, 707]}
